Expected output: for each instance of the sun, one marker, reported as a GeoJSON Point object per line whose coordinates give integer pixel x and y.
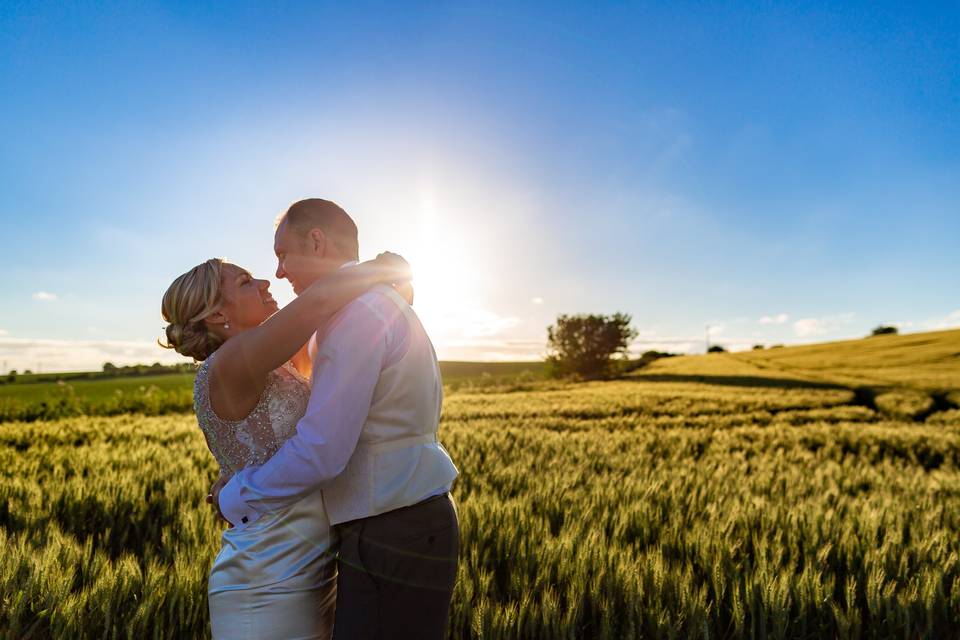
{"type": "Point", "coordinates": [444, 282]}
{"type": "Point", "coordinates": [457, 279]}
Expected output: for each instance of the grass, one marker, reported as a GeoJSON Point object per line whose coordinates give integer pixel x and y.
{"type": "Point", "coordinates": [702, 497]}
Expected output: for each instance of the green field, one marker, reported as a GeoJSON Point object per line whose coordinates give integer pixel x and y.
{"type": "Point", "coordinates": [97, 389]}
{"type": "Point", "coordinates": [457, 375]}
{"type": "Point", "coordinates": [36, 397]}
{"type": "Point", "coordinates": [807, 492]}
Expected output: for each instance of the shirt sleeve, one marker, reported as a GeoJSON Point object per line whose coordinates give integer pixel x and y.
{"type": "Point", "coordinates": [345, 374]}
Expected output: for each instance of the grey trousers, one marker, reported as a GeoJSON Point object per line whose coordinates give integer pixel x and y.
{"type": "Point", "coordinates": [396, 573]}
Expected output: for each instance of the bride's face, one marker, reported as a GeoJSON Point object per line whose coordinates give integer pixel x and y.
{"type": "Point", "coordinates": [246, 301]}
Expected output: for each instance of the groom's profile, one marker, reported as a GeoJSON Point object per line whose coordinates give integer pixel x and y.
{"type": "Point", "coordinates": [369, 440]}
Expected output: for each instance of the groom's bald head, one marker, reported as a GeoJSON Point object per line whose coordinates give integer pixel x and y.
{"type": "Point", "coordinates": [339, 228]}
{"type": "Point", "coordinates": [314, 237]}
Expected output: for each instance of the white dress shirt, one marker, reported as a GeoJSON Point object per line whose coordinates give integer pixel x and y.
{"type": "Point", "coordinates": [365, 337]}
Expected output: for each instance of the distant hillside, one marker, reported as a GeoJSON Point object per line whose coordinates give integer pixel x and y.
{"type": "Point", "coordinates": [911, 376]}
{"type": "Point", "coordinates": [927, 361]}
{"type": "Point", "coordinates": [921, 361]}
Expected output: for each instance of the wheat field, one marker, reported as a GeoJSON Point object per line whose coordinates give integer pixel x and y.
{"type": "Point", "coordinates": [728, 496]}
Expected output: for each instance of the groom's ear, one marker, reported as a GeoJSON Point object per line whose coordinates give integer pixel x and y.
{"type": "Point", "coordinates": [317, 242]}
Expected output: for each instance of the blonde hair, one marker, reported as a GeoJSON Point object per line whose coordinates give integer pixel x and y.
{"type": "Point", "coordinates": [189, 300]}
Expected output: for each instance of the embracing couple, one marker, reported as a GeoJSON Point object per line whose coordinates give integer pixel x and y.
{"type": "Point", "coordinates": [323, 418]}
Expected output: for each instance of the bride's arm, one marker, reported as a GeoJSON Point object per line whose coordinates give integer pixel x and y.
{"type": "Point", "coordinates": [254, 353]}
{"type": "Point", "coordinates": [301, 359]}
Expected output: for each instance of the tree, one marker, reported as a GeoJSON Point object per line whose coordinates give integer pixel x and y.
{"type": "Point", "coordinates": [758, 347]}
{"type": "Point", "coordinates": [716, 349]}
{"type": "Point", "coordinates": [884, 330]}
{"type": "Point", "coordinates": [109, 367]}
{"type": "Point", "coordinates": [584, 344]}
{"type": "Point", "coordinates": [12, 376]}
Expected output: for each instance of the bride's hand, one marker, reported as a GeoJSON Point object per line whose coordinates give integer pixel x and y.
{"type": "Point", "coordinates": [402, 284]}
{"type": "Point", "coordinates": [399, 267]}
{"type": "Point", "coordinates": [213, 498]}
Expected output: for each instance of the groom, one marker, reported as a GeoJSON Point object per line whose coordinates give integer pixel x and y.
{"type": "Point", "coordinates": [369, 438]}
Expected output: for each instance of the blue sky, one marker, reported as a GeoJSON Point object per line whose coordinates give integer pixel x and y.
{"type": "Point", "coordinates": [782, 173]}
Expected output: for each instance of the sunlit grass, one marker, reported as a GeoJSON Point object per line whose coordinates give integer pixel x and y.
{"type": "Point", "coordinates": [609, 510]}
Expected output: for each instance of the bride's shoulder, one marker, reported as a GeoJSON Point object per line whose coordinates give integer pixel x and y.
{"type": "Point", "coordinates": [203, 370]}
{"type": "Point", "coordinates": [201, 383]}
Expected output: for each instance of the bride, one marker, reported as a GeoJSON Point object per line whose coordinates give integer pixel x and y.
{"type": "Point", "coordinates": [275, 578]}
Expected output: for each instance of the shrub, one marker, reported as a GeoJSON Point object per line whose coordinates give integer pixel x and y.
{"type": "Point", "coordinates": [653, 355]}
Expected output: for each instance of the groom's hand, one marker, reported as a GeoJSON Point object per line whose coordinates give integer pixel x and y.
{"type": "Point", "coordinates": [213, 498]}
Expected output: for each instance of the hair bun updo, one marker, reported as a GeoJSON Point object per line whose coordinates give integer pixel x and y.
{"type": "Point", "coordinates": [188, 301]}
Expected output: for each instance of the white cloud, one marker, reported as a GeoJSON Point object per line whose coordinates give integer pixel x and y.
{"type": "Point", "coordinates": [716, 329]}
{"type": "Point", "coordinates": [467, 321]}
{"type": "Point", "coordinates": [949, 321]}
{"type": "Point", "coordinates": [517, 350]}
{"type": "Point", "coordinates": [81, 355]}
{"type": "Point", "coordinates": [780, 318]}
{"type": "Point", "coordinates": [4, 332]}
{"type": "Point", "coordinates": [45, 296]}
{"type": "Point", "coordinates": [89, 355]}
{"type": "Point", "coordinates": [809, 327]}
{"type": "Point", "coordinates": [537, 300]}
{"type": "Point", "coordinates": [481, 324]}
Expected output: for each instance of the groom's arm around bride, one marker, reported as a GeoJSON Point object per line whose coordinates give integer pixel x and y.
{"type": "Point", "coordinates": [369, 438]}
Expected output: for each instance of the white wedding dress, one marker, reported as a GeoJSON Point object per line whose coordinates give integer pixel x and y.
{"type": "Point", "coordinates": [275, 578]}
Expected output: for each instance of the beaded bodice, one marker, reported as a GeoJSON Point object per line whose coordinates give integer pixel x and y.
{"type": "Point", "coordinates": [237, 444]}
